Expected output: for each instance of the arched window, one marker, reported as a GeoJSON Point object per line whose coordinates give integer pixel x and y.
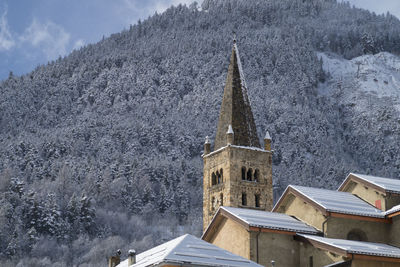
{"type": "Point", "coordinates": [250, 175]}
{"type": "Point", "coordinates": [244, 199]}
{"type": "Point", "coordinates": [213, 179]}
{"type": "Point", "coordinates": [212, 203]}
{"type": "Point", "coordinates": [222, 175]}
{"type": "Point", "coordinates": [218, 177]}
{"type": "Point", "coordinates": [243, 173]}
{"type": "Point", "coordinates": [221, 202]}
{"type": "Point", "coordinates": [357, 235]}
{"type": "Point", "coordinates": [257, 175]}
{"type": "Point", "coordinates": [257, 200]}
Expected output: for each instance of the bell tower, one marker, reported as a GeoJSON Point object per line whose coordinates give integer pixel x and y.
{"type": "Point", "coordinates": [237, 173]}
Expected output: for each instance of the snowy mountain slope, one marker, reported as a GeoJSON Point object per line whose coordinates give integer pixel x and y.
{"type": "Point", "coordinates": [366, 91]}
{"type": "Point", "coordinates": [377, 75]}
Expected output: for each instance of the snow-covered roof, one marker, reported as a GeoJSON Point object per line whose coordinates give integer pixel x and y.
{"type": "Point", "coordinates": [270, 220]}
{"type": "Point", "coordinates": [335, 201]}
{"type": "Point", "coordinates": [355, 247]}
{"type": "Point", "coordinates": [188, 251]}
{"type": "Point", "coordinates": [392, 210]}
{"type": "Point", "coordinates": [386, 184]}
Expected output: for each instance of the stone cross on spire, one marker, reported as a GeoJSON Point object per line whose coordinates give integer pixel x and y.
{"type": "Point", "coordinates": [235, 107]}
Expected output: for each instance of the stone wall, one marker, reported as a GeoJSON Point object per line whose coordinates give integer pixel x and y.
{"type": "Point", "coordinates": [281, 248]}
{"type": "Point", "coordinates": [341, 227]}
{"type": "Point", "coordinates": [231, 160]}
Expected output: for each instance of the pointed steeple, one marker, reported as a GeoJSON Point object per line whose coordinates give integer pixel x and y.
{"type": "Point", "coordinates": [235, 108]}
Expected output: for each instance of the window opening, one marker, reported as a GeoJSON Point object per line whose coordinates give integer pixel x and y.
{"type": "Point", "coordinates": [243, 173]}
{"type": "Point", "coordinates": [257, 200]}
{"type": "Point", "coordinates": [244, 199]}
{"type": "Point", "coordinates": [249, 175]}
{"type": "Point", "coordinates": [213, 179]}
{"type": "Point", "coordinates": [257, 175]}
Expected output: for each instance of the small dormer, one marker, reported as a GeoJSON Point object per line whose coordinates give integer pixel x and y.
{"type": "Point", "coordinates": [383, 193]}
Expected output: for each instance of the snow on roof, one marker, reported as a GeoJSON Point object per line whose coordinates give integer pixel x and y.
{"type": "Point", "coordinates": [392, 210]}
{"type": "Point", "coordinates": [189, 250]}
{"type": "Point", "coordinates": [357, 247]}
{"type": "Point", "coordinates": [242, 79]}
{"type": "Point", "coordinates": [230, 130]}
{"type": "Point", "coordinates": [270, 220]}
{"type": "Point", "coordinates": [244, 147]}
{"type": "Point", "coordinates": [340, 202]}
{"type": "Point", "coordinates": [250, 148]}
{"type": "Point", "coordinates": [387, 184]}
{"type": "Point", "coordinates": [267, 136]}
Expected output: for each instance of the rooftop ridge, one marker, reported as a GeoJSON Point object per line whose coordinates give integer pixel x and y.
{"type": "Point", "coordinates": [347, 204]}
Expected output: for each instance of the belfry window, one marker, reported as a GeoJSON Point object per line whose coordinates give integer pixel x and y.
{"type": "Point", "coordinates": [244, 199]}
{"type": "Point", "coordinates": [213, 179]}
{"type": "Point", "coordinates": [222, 175]}
{"type": "Point", "coordinates": [257, 200]}
{"type": "Point", "coordinates": [243, 173]}
{"type": "Point", "coordinates": [257, 175]}
{"type": "Point", "coordinates": [250, 175]}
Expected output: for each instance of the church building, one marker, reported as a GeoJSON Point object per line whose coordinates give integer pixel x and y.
{"type": "Point", "coordinates": [356, 225]}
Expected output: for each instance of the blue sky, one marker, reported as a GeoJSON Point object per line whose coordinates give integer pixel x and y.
{"type": "Point", "coordinates": [33, 32]}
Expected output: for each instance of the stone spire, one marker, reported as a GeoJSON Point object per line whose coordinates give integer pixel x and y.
{"type": "Point", "coordinates": [235, 108]}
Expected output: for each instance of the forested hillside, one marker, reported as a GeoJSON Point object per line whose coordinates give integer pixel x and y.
{"type": "Point", "coordinates": [100, 150]}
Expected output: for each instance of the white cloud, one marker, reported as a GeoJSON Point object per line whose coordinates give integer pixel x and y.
{"type": "Point", "coordinates": [78, 44]}
{"type": "Point", "coordinates": [51, 38]}
{"type": "Point", "coordinates": [143, 9]}
{"type": "Point", "coordinates": [6, 39]}
{"type": "Point", "coordinates": [162, 5]}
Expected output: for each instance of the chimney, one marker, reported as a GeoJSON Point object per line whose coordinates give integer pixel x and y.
{"type": "Point", "coordinates": [229, 135]}
{"type": "Point", "coordinates": [207, 146]}
{"type": "Point", "coordinates": [131, 257]}
{"type": "Point", "coordinates": [267, 142]}
{"type": "Point", "coordinates": [114, 260]}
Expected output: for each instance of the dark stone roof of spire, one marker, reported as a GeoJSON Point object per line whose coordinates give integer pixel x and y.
{"type": "Point", "coordinates": [235, 108]}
